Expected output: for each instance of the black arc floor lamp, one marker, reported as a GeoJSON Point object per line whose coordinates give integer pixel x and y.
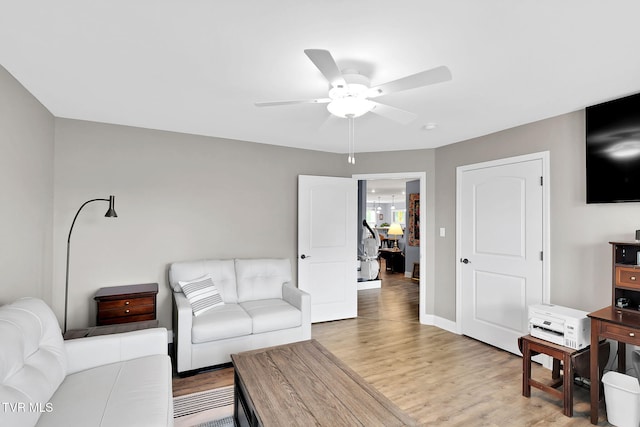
{"type": "Point", "coordinates": [111, 213]}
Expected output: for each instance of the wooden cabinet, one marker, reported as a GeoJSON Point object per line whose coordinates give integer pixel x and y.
{"type": "Point", "coordinates": [626, 276]}
{"type": "Point", "coordinates": [628, 334]}
{"type": "Point", "coordinates": [620, 324]}
{"type": "Point", "coordinates": [129, 303]}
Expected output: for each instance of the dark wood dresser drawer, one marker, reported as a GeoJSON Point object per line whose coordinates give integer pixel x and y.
{"type": "Point", "coordinates": [134, 310]}
{"type": "Point", "coordinates": [628, 277]}
{"type": "Point", "coordinates": [123, 304]}
{"type": "Point", "coordinates": [627, 334]}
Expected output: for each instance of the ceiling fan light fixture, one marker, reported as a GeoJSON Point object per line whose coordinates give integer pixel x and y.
{"type": "Point", "coordinates": [359, 88]}
{"type": "Point", "coordinates": [350, 100]}
{"type": "Point", "coordinates": [350, 106]}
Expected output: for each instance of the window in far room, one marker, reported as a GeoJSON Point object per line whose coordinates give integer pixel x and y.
{"type": "Point", "coordinates": [398, 217]}
{"type": "Point", "coordinates": [372, 217]}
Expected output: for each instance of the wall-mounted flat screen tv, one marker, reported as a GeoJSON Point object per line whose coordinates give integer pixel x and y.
{"type": "Point", "coordinates": [613, 151]}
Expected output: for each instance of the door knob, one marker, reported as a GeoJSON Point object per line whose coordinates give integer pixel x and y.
{"type": "Point", "coordinates": [464, 260]}
{"type": "Point", "coordinates": [303, 256]}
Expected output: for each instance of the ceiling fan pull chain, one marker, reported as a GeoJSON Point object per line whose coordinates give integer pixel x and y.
{"type": "Point", "coordinates": [353, 141]}
{"type": "Point", "coordinates": [349, 140]}
{"type": "Point", "coordinates": [350, 119]}
{"type": "Point", "coordinates": [351, 159]}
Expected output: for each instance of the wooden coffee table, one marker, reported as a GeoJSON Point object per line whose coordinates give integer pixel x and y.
{"type": "Point", "coordinates": [304, 384]}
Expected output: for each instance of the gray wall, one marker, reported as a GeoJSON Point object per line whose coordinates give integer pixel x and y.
{"type": "Point", "coordinates": [410, 161]}
{"type": "Point", "coordinates": [362, 214]}
{"type": "Point", "coordinates": [26, 186]}
{"type": "Point", "coordinates": [580, 253]}
{"type": "Point", "coordinates": [412, 253]}
{"type": "Point", "coordinates": [183, 197]}
{"type": "Point", "coordinates": [178, 197]}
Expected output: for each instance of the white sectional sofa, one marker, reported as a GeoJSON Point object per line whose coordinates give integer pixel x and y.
{"type": "Point", "coordinates": [109, 380]}
{"type": "Point", "coordinates": [261, 308]}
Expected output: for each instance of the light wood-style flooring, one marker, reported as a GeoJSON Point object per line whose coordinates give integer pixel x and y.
{"type": "Point", "coordinates": [437, 377]}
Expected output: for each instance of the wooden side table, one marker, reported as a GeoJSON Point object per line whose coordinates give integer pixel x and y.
{"type": "Point", "coordinates": [531, 345]}
{"type": "Point", "coordinates": [394, 259]}
{"type": "Point", "coordinates": [110, 329]}
{"type": "Point", "coordinates": [124, 304]}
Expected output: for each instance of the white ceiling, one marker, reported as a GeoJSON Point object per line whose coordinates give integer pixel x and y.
{"type": "Point", "coordinates": [382, 190]}
{"type": "Point", "coordinates": [198, 66]}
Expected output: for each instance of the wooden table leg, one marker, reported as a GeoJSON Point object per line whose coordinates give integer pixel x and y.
{"type": "Point", "coordinates": [622, 357]}
{"type": "Point", "coordinates": [236, 398]}
{"type": "Point", "coordinates": [594, 370]}
{"type": "Point", "coordinates": [526, 369]}
{"type": "Point", "coordinates": [567, 386]}
{"type": "Point", "coordinates": [555, 372]}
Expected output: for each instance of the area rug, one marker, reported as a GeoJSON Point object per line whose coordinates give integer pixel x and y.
{"type": "Point", "coordinates": [225, 422]}
{"type": "Point", "coordinates": [210, 408]}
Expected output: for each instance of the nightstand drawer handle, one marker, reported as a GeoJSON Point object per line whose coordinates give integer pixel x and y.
{"type": "Point", "coordinates": [126, 311]}
{"type": "Point", "coordinates": [633, 277]}
{"type": "Point", "coordinates": [631, 334]}
{"type": "Point", "coordinates": [127, 302]}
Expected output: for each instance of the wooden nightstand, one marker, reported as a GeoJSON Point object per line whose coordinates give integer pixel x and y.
{"type": "Point", "coordinates": [124, 304]}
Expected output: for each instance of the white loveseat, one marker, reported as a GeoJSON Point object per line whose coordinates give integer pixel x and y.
{"type": "Point", "coordinates": [261, 308]}
{"type": "Point", "coordinates": [109, 380]}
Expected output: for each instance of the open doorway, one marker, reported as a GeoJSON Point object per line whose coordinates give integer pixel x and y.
{"type": "Point", "coordinates": [394, 198]}
{"type": "Point", "coordinates": [389, 211]}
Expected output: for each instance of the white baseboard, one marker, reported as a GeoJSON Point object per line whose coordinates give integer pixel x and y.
{"type": "Point", "coordinates": [440, 322]}
{"type": "Point", "coordinates": [370, 284]}
{"type": "Point", "coordinates": [409, 275]}
{"type": "Point", "coordinates": [446, 324]}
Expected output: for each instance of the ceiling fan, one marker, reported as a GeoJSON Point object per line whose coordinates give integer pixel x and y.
{"type": "Point", "coordinates": [350, 93]}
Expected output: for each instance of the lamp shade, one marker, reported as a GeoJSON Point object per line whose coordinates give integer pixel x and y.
{"type": "Point", "coordinates": [395, 230]}
{"type": "Point", "coordinates": [111, 213]}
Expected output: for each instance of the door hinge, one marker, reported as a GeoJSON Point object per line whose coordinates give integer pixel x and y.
{"type": "Point", "coordinates": [541, 180]}
{"type": "Point", "coordinates": [541, 256]}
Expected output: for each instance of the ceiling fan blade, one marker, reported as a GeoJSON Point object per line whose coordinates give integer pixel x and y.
{"type": "Point", "coordinates": [424, 78]}
{"type": "Point", "coordinates": [327, 66]}
{"type": "Point", "coordinates": [301, 101]}
{"type": "Point", "coordinates": [329, 122]}
{"type": "Point", "coordinates": [397, 115]}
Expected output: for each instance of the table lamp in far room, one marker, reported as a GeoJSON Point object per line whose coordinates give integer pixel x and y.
{"type": "Point", "coordinates": [395, 230]}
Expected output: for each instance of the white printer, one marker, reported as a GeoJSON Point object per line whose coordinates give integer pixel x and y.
{"type": "Point", "coordinates": [560, 325]}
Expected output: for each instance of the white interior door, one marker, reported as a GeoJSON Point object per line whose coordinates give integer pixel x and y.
{"type": "Point", "coordinates": [327, 245]}
{"type": "Point", "coordinates": [501, 243]}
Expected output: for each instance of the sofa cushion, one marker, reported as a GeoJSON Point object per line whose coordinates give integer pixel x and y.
{"type": "Point", "coordinates": [222, 273]}
{"type": "Point", "coordinates": [129, 393]}
{"type": "Point", "coordinates": [272, 315]}
{"type": "Point", "coordinates": [202, 294]}
{"type": "Point", "coordinates": [32, 360]}
{"type": "Point", "coordinates": [225, 321]}
{"type": "Point", "coordinates": [261, 278]}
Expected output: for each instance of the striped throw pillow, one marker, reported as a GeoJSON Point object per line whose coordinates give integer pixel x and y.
{"type": "Point", "coordinates": [202, 294]}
